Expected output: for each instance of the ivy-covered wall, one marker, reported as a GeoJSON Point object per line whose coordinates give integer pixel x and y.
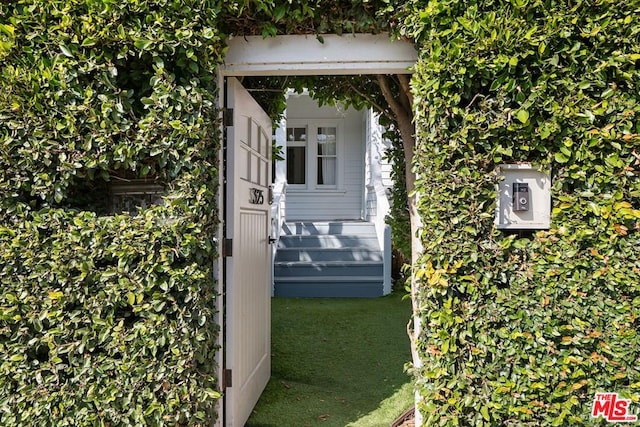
{"type": "Point", "coordinates": [109, 318]}
{"type": "Point", "coordinates": [524, 329]}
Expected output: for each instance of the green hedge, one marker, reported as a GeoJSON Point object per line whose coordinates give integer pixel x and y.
{"type": "Point", "coordinates": [110, 318]}
{"type": "Point", "coordinates": [107, 319]}
{"type": "Point", "coordinates": [524, 329]}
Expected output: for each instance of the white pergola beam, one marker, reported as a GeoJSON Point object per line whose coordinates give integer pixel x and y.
{"type": "Point", "coordinates": [307, 55]}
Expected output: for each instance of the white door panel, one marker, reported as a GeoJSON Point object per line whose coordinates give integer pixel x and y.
{"type": "Point", "coordinates": [248, 287]}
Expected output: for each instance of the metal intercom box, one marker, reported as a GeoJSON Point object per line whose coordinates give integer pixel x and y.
{"type": "Point", "coordinates": [524, 197]}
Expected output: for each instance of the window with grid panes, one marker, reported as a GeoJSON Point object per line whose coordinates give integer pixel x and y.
{"type": "Point", "coordinates": [296, 155]}
{"type": "Point", "coordinates": [327, 156]}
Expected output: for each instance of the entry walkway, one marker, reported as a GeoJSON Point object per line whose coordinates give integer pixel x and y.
{"type": "Point", "coordinates": [337, 362]}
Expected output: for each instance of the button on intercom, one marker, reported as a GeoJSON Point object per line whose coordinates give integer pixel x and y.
{"type": "Point", "coordinates": [520, 196]}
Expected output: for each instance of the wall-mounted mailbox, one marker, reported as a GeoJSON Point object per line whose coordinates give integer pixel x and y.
{"type": "Point", "coordinates": [524, 198]}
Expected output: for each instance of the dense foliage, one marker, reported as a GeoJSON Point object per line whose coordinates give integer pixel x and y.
{"type": "Point", "coordinates": [110, 318]}
{"type": "Point", "coordinates": [107, 318]}
{"type": "Point", "coordinates": [398, 217]}
{"type": "Point", "coordinates": [523, 329]}
{"type": "Point", "coordinates": [271, 17]}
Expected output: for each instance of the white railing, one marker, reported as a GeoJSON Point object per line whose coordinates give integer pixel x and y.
{"type": "Point", "coordinates": [378, 206]}
{"type": "Point", "coordinates": [277, 219]}
{"type": "Point", "coordinates": [278, 208]}
{"type": "Point", "coordinates": [383, 231]}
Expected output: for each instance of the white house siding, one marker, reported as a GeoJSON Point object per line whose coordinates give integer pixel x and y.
{"type": "Point", "coordinates": [386, 170]}
{"type": "Point", "coordinates": [346, 200]}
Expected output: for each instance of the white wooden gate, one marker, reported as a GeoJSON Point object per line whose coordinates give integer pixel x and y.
{"type": "Point", "coordinates": [248, 268]}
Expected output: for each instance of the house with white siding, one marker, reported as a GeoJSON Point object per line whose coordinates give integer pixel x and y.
{"type": "Point", "coordinates": [330, 202]}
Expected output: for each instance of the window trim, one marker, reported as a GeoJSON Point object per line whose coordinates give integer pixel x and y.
{"type": "Point", "coordinates": [298, 143]}
{"type": "Point", "coordinates": [311, 165]}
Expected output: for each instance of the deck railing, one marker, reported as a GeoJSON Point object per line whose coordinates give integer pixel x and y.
{"type": "Point", "coordinates": [278, 207]}
{"type": "Point", "coordinates": [378, 206]}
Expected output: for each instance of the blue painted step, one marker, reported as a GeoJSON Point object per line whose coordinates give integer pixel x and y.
{"type": "Point", "coordinates": [327, 268]}
{"type": "Point", "coordinates": [330, 287]}
{"type": "Point", "coordinates": [307, 228]}
{"type": "Point", "coordinates": [328, 259]}
{"type": "Point", "coordinates": [311, 254]}
{"type": "Point", "coordinates": [329, 241]}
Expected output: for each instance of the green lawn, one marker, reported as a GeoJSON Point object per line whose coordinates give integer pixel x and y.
{"type": "Point", "coordinates": [337, 362]}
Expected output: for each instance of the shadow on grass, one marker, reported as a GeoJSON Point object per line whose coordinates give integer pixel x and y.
{"type": "Point", "coordinates": [337, 362]}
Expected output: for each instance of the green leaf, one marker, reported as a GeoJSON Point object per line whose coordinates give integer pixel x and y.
{"type": "Point", "coordinates": [269, 30]}
{"type": "Point", "coordinates": [523, 115]}
{"type": "Point", "coordinates": [7, 29]}
{"type": "Point", "coordinates": [208, 33]}
{"type": "Point", "coordinates": [65, 51]}
{"type": "Point", "coordinates": [485, 413]}
{"type": "Point", "coordinates": [57, 193]}
{"type": "Point", "coordinates": [55, 295]}
{"type": "Point", "coordinates": [279, 12]}
{"type": "Point", "coordinates": [561, 157]}
{"type": "Point", "coordinates": [212, 394]}
{"type": "Point", "coordinates": [143, 44]}
{"type": "Point", "coordinates": [541, 48]}
{"type": "Point", "coordinates": [89, 41]}
{"type": "Point", "coordinates": [607, 93]}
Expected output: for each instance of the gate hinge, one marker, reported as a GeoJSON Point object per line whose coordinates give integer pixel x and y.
{"type": "Point", "coordinates": [226, 378]}
{"type": "Point", "coordinates": [227, 248]}
{"type": "Point", "coordinates": [227, 116]}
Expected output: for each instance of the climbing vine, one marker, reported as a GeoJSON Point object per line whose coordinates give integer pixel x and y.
{"type": "Point", "coordinates": [109, 317]}
{"type": "Point", "coordinates": [524, 329]}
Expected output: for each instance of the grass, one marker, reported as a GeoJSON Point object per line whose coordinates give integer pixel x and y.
{"type": "Point", "coordinates": [337, 362]}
